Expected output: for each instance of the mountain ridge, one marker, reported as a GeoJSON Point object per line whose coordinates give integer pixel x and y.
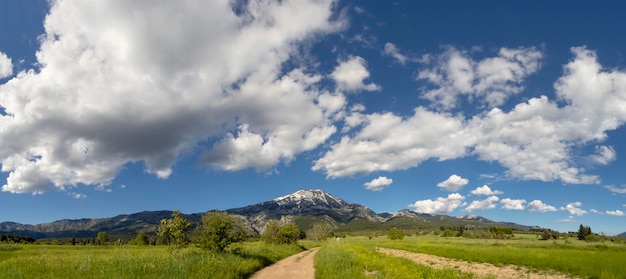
{"type": "Point", "coordinates": [300, 205]}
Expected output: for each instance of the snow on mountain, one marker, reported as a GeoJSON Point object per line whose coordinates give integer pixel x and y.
{"type": "Point", "coordinates": [315, 197]}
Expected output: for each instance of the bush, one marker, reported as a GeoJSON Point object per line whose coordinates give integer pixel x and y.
{"type": "Point", "coordinates": [549, 234]}
{"type": "Point", "coordinates": [217, 230]}
{"type": "Point", "coordinates": [395, 233]}
{"type": "Point", "coordinates": [319, 231]}
{"type": "Point", "coordinates": [277, 234]}
{"type": "Point", "coordinates": [448, 233]}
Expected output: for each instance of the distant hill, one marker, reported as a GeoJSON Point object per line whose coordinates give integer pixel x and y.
{"type": "Point", "coordinates": [304, 207]}
{"type": "Point", "coordinates": [622, 234]}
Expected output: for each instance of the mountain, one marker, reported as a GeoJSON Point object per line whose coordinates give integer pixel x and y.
{"type": "Point", "coordinates": [304, 207]}
{"type": "Point", "coordinates": [146, 221]}
{"type": "Point", "coordinates": [622, 234]}
{"type": "Point", "coordinates": [305, 203]}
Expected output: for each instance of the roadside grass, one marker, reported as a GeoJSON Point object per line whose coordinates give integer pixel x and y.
{"type": "Point", "coordinates": [43, 261]}
{"type": "Point", "coordinates": [354, 260]}
{"type": "Point", "coordinates": [574, 257]}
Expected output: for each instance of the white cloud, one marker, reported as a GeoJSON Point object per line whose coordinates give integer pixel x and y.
{"type": "Point", "coordinates": [485, 191]}
{"type": "Point", "coordinates": [488, 203]}
{"type": "Point", "coordinates": [513, 204]}
{"type": "Point", "coordinates": [387, 142]}
{"type": "Point", "coordinates": [574, 209]}
{"type": "Point", "coordinates": [393, 51]}
{"type": "Point", "coordinates": [351, 74]}
{"type": "Point", "coordinates": [453, 183]}
{"type": "Point", "coordinates": [492, 80]}
{"type": "Point", "coordinates": [569, 219]}
{"type": "Point", "coordinates": [593, 210]}
{"type": "Point", "coordinates": [539, 206]}
{"type": "Point", "coordinates": [6, 66]}
{"type": "Point", "coordinates": [160, 81]}
{"type": "Point", "coordinates": [615, 212]}
{"type": "Point", "coordinates": [77, 195]}
{"type": "Point", "coordinates": [378, 184]}
{"type": "Point", "coordinates": [616, 190]}
{"type": "Point", "coordinates": [536, 140]}
{"type": "Point", "coordinates": [604, 155]}
{"type": "Point", "coordinates": [440, 205]}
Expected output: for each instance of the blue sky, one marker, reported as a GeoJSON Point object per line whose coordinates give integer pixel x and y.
{"type": "Point", "coordinates": [512, 111]}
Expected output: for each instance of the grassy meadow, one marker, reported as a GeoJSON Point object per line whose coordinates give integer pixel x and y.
{"type": "Point", "coordinates": [130, 261]}
{"type": "Point", "coordinates": [356, 257]}
{"type": "Point", "coordinates": [351, 257]}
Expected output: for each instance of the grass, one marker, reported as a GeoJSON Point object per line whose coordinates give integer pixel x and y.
{"type": "Point", "coordinates": [578, 258]}
{"type": "Point", "coordinates": [354, 260]}
{"type": "Point", "coordinates": [44, 261]}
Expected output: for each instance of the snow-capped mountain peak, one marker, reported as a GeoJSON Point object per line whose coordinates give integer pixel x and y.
{"type": "Point", "coordinates": [315, 197]}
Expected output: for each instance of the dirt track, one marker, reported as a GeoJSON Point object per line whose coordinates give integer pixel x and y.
{"type": "Point", "coordinates": [296, 266]}
{"type": "Point", "coordinates": [480, 269]}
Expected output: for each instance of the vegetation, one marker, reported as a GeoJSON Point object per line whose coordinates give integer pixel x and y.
{"type": "Point", "coordinates": [141, 239]}
{"type": "Point", "coordinates": [147, 261]}
{"type": "Point", "coordinates": [355, 259]}
{"type": "Point", "coordinates": [584, 232]}
{"type": "Point", "coordinates": [319, 232]}
{"type": "Point", "coordinates": [9, 238]}
{"type": "Point", "coordinates": [281, 234]}
{"type": "Point", "coordinates": [103, 238]}
{"type": "Point", "coordinates": [395, 233]}
{"type": "Point", "coordinates": [577, 258]}
{"type": "Point", "coordinates": [217, 230]}
{"type": "Point", "coordinates": [173, 231]}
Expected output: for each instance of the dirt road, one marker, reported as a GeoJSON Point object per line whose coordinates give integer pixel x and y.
{"type": "Point", "coordinates": [296, 266]}
{"type": "Point", "coordinates": [480, 269]}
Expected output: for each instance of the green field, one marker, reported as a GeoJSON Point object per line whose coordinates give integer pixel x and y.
{"type": "Point", "coordinates": [66, 261]}
{"type": "Point", "coordinates": [351, 257]}
{"type": "Point", "coordinates": [356, 256]}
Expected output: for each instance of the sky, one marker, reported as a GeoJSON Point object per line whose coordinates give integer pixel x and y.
{"type": "Point", "coordinates": [510, 110]}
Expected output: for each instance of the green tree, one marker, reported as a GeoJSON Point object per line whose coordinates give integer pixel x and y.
{"type": "Point", "coordinates": [583, 232]}
{"type": "Point", "coordinates": [173, 231]}
{"type": "Point", "coordinates": [319, 231]}
{"type": "Point", "coordinates": [102, 238]}
{"type": "Point", "coordinates": [277, 234]}
{"type": "Point", "coordinates": [141, 239]}
{"type": "Point", "coordinates": [217, 230]}
{"type": "Point", "coordinates": [395, 233]}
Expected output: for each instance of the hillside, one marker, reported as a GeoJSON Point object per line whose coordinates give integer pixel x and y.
{"type": "Point", "coordinates": [304, 207]}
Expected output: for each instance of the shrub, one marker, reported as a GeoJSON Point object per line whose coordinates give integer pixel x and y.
{"type": "Point", "coordinates": [217, 230]}
{"type": "Point", "coordinates": [277, 234]}
{"type": "Point", "coordinates": [395, 233]}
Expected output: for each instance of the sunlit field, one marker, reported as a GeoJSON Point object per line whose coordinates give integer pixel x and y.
{"type": "Point", "coordinates": [350, 257]}
{"type": "Point", "coordinates": [355, 257]}
{"type": "Point", "coordinates": [64, 261]}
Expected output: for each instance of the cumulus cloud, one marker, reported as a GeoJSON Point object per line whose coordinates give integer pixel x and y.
{"type": "Point", "coordinates": [351, 74]}
{"type": "Point", "coordinates": [488, 203]}
{"type": "Point", "coordinates": [615, 212]}
{"type": "Point", "coordinates": [513, 204]}
{"type": "Point", "coordinates": [491, 81]}
{"type": "Point", "coordinates": [393, 51]}
{"type": "Point", "coordinates": [485, 191]}
{"type": "Point", "coordinates": [388, 142]}
{"type": "Point", "coordinates": [162, 80]}
{"type": "Point", "coordinates": [453, 183]}
{"type": "Point", "coordinates": [440, 205]}
{"type": "Point", "coordinates": [6, 66]}
{"type": "Point", "coordinates": [378, 184]}
{"type": "Point", "coordinates": [539, 139]}
{"type": "Point", "coordinates": [539, 206]}
{"type": "Point", "coordinates": [574, 209]}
